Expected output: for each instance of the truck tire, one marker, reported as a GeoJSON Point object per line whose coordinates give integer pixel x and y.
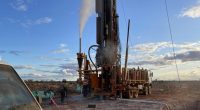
{"type": "Point", "coordinates": [146, 90]}
{"type": "Point", "coordinates": [149, 89]}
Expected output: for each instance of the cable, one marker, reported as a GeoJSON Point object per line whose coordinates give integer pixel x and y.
{"type": "Point", "coordinates": [91, 47]}
{"type": "Point", "coordinates": [172, 41]}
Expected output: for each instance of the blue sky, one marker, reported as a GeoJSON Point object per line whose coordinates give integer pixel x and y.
{"type": "Point", "coordinates": [40, 37]}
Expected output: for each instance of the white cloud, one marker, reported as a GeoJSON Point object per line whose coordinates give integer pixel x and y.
{"type": "Point", "coordinates": [13, 52]}
{"type": "Point", "coordinates": [16, 52]}
{"type": "Point", "coordinates": [187, 71]}
{"type": "Point", "coordinates": [44, 20]}
{"type": "Point", "coordinates": [35, 76]}
{"type": "Point", "coordinates": [139, 56]}
{"type": "Point", "coordinates": [23, 67]}
{"type": "Point", "coordinates": [39, 21]}
{"type": "Point", "coordinates": [193, 12]}
{"type": "Point", "coordinates": [67, 72]}
{"type": "Point", "coordinates": [150, 47]}
{"type": "Point", "coordinates": [46, 58]}
{"type": "Point", "coordinates": [62, 45]}
{"type": "Point", "coordinates": [161, 61]}
{"type": "Point", "coordinates": [57, 71]}
{"type": "Point", "coordinates": [61, 49]}
{"type": "Point", "coordinates": [189, 46]}
{"type": "Point", "coordinates": [153, 54]}
{"type": "Point", "coordinates": [48, 65]}
{"type": "Point", "coordinates": [47, 77]}
{"type": "Point", "coordinates": [20, 5]}
{"type": "Point", "coordinates": [156, 47]}
{"type": "Point", "coordinates": [185, 56]}
{"type": "Point", "coordinates": [48, 71]}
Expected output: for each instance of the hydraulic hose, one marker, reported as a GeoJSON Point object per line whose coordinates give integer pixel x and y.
{"type": "Point", "coordinates": [90, 56]}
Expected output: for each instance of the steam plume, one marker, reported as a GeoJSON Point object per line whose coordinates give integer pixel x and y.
{"type": "Point", "coordinates": [87, 8]}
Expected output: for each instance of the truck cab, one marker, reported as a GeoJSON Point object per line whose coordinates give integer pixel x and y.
{"type": "Point", "coordinates": [14, 93]}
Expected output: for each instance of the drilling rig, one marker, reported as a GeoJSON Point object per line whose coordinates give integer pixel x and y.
{"type": "Point", "coordinates": [108, 78]}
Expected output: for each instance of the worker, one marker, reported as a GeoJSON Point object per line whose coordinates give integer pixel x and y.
{"type": "Point", "coordinates": [63, 90]}
{"type": "Point", "coordinates": [89, 86]}
{"type": "Point", "coordinates": [79, 85]}
{"type": "Point", "coordinates": [85, 86]}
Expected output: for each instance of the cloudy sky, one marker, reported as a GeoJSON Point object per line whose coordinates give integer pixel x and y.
{"type": "Point", "coordinates": [39, 38]}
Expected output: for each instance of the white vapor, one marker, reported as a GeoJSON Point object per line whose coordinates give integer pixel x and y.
{"type": "Point", "coordinates": [87, 8]}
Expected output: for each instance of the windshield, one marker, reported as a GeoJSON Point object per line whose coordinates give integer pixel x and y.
{"type": "Point", "coordinates": [13, 94]}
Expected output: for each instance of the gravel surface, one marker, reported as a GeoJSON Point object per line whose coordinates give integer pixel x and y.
{"type": "Point", "coordinates": [165, 96]}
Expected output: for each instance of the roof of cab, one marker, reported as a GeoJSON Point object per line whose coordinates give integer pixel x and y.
{"type": "Point", "coordinates": [5, 65]}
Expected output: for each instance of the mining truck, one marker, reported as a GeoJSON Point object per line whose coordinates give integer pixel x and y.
{"type": "Point", "coordinates": [105, 76]}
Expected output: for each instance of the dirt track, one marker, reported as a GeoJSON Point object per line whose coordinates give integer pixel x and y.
{"type": "Point", "coordinates": [165, 95]}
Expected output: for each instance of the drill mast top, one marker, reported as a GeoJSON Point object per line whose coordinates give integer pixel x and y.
{"type": "Point", "coordinates": [108, 52]}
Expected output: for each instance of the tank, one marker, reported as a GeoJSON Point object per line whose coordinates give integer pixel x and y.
{"type": "Point", "coordinates": [138, 81]}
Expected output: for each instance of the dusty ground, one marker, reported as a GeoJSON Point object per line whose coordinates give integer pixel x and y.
{"type": "Point", "coordinates": [178, 96]}
{"type": "Point", "coordinates": [165, 95]}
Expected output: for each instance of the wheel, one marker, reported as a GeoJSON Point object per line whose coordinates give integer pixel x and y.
{"type": "Point", "coordinates": [149, 89]}
{"type": "Point", "coordinates": [130, 94]}
{"type": "Point", "coordinates": [145, 90]}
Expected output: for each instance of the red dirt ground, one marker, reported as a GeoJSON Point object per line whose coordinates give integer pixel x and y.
{"type": "Point", "coordinates": [165, 95]}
